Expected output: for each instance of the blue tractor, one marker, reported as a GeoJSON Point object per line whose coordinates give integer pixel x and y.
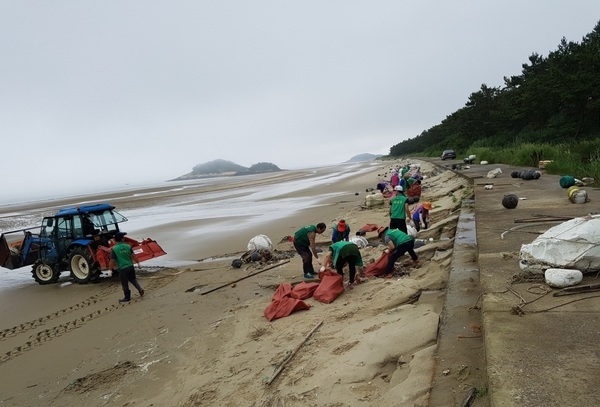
{"type": "Point", "coordinates": [78, 240]}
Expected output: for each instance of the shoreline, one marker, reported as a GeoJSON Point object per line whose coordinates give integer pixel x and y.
{"type": "Point", "coordinates": [179, 347]}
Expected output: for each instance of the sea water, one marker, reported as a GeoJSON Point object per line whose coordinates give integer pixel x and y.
{"type": "Point", "coordinates": [197, 220]}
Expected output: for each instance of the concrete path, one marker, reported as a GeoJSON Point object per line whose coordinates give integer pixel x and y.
{"type": "Point", "coordinates": [541, 350]}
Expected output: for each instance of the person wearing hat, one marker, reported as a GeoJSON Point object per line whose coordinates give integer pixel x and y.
{"type": "Point", "coordinates": [399, 210]}
{"type": "Point", "coordinates": [398, 244]}
{"type": "Point", "coordinates": [304, 243]}
{"type": "Point", "coordinates": [421, 214]}
{"type": "Point", "coordinates": [341, 231]}
{"type": "Point", "coordinates": [122, 258]}
{"type": "Point", "coordinates": [342, 253]}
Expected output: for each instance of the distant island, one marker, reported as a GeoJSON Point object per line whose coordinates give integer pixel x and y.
{"type": "Point", "coordinates": [220, 168]}
{"type": "Point", "coordinates": [364, 157]}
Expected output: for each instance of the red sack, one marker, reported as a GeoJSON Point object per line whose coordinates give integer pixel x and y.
{"type": "Point", "coordinates": [331, 286]}
{"type": "Point", "coordinates": [284, 307]}
{"type": "Point", "coordinates": [369, 227]}
{"type": "Point", "coordinates": [282, 291]}
{"type": "Point", "coordinates": [378, 268]}
{"type": "Point", "coordinates": [303, 290]}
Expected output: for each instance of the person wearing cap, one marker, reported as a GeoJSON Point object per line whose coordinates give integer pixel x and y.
{"type": "Point", "coordinates": [304, 243]}
{"type": "Point", "coordinates": [340, 254]}
{"type": "Point", "coordinates": [341, 231]}
{"type": "Point", "coordinates": [398, 244]}
{"type": "Point", "coordinates": [122, 258]}
{"type": "Point", "coordinates": [399, 210]}
{"type": "Point", "coordinates": [421, 214]}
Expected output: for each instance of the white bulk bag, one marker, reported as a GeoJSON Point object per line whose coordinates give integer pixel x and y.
{"type": "Point", "coordinates": [574, 244]}
{"type": "Point", "coordinates": [259, 242]}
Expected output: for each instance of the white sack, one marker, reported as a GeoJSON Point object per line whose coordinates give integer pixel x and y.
{"type": "Point", "coordinates": [494, 173]}
{"type": "Point", "coordinates": [412, 231]}
{"type": "Point", "coordinates": [360, 241]}
{"type": "Point", "coordinates": [375, 199]}
{"type": "Point", "coordinates": [574, 244]}
{"type": "Point", "coordinates": [259, 242]}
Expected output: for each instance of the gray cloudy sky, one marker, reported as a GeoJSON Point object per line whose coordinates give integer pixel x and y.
{"type": "Point", "coordinates": [135, 91]}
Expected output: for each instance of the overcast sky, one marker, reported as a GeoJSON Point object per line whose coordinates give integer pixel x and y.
{"type": "Point", "coordinates": [132, 91]}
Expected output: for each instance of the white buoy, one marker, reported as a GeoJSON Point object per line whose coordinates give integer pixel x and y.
{"type": "Point", "coordinates": [560, 278]}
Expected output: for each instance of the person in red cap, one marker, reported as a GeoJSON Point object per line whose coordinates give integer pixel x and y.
{"type": "Point", "coordinates": [341, 231]}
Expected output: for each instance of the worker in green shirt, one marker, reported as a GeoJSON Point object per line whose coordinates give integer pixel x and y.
{"type": "Point", "coordinates": [304, 243]}
{"type": "Point", "coordinates": [399, 210]}
{"type": "Point", "coordinates": [398, 244]}
{"type": "Point", "coordinates": [342, 253]}
{"type": "Point", "coordinates": [122, 258]}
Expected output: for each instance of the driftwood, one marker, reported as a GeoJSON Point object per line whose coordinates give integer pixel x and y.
{"type": "Point", "coordinates": [291, 355]}
{"type": "Point", "coordinates": [469, 397]}
{"type": "Point", "coordinates": [243, 278]}
{"type": "Point", "coordinates": [544, 218]}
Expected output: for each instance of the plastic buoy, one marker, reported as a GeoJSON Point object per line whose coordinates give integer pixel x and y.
{"type": "Point", "coordinates": [510, 201]}
{"type": "Point", "coordinates": [566, 181]}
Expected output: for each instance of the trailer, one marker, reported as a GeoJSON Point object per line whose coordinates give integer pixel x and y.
{"type": "Point", "coordinates": [77, 239]}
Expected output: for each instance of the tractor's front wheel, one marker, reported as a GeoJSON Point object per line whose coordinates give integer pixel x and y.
{"type": "Point", "coordinates": [82, 265]}
{"type": "Point", "coordinates": [45, 273]}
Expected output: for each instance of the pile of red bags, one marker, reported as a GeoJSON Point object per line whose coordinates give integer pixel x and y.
{"type": "Point", "coordinates": [288, 299]}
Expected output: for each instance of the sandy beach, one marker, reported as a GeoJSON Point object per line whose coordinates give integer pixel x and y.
{"type": "Point", "coordinates": [199, 336]}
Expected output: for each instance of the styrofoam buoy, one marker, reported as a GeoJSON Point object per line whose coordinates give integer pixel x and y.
{"type": "Point", "coordinates": [560, 278]}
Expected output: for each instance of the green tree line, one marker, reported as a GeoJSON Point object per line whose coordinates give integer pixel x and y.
{"type": "Point", "coordinates": [553, 106]}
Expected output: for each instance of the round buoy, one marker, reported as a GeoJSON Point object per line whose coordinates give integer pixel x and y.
{"type": "Point", "coordinates": [237, 263]}
{"type": "Point", "coordinates": [566, 181]}
{"type": "Point", "coordinates": [510, 201]}
{"type": "Point", "coordinates": [516, 174]}
{"type": "Point", "coordinates": [527, 175]}
{"type": "Point", "coordinates": [537, 174]}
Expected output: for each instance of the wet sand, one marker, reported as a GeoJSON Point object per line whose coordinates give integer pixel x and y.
{"type": "Point", "coordinates": [72, 345]}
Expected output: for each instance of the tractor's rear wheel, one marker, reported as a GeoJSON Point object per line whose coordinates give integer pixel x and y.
{"type": "Point", "coordinates": [45, 273]}
{"type": "Point", "coordinates": [82, 265]}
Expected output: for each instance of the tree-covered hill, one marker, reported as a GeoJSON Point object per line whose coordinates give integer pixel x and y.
{"type": "Point", "coordinates": [555, 100]}
{"type": "Point", "coordinates": [223, 167]}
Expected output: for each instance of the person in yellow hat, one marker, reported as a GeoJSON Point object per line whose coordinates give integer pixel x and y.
{"type": "Point", "coordinates": [421, 214]}
{"type": "Point", "coordinates": [341, 231]}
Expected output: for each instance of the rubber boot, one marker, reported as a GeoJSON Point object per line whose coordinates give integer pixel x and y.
{"type": "Point", "coordinates": [127, 296]}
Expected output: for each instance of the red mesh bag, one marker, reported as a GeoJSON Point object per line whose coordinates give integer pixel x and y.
{"type": "Point", "coordinates": [282, 291]}
{"type": "Point", "coordinates": [303, 290]}
{"type": "Point", "coordinates": [283, 307]}
{"type": "Point", "coordinates": [331, 286]}
{"type": "Point", "coordinates": [378, 268]}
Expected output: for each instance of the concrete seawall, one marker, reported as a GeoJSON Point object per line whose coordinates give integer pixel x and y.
{"type": "Point", "coordinates": [540, 350]}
